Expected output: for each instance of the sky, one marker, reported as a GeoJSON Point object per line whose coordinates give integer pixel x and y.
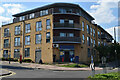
{"type": "Point", "coordinates": [105, 12]}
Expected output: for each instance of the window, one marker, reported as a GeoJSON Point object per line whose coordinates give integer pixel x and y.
{"type": "Point", "coordinates": [68, 10]}
{"type": "Point", "coordinates": [47, 37]}
{"type": "Point", "coordinates": [38, 38]}
{"type": "Point", "coordinates": [27, 40]}
{"type": "Point", "coordinates": [6, 32]}
{"type": "Point", "coordinates": [89, 52]}
{"type": "Point", "coordinates": [62, 34]}
{"type": "Point", "coordinates": [61, 10]}
{"type": "Point", "coordinates": [98, 43]}
{"type": "Point", "coordinates": [71, 21]}
{"type": "Point", "coordinates": [16, 53]}
{"type": "Point", "coordinates": [27, 52]}
{"type": "Point", "coordinates": [88, 29]}
{"type": "Point", "coordinates": [5, 53]}
{"type": "Point", "coordinates": [17, 41]}
{"type": "Point", "coordinates": [94, 43]}
{"type": "Point", "coordinates": [70, 34]}
{"type": "Point", "coordinates": [48, 24]}
{"type": "Point", "coordinates": [83, 37]}
{"type": "Point", "coordinates": [43, 12]}
{"type": "Point", "coordinates": [82, 26]}
{"type": "Point", "coordinates": [32, 15]}
{"type": "Point", "coordinates": [38, 26]}
{"type": "Point", "coordinates": [91, 41]}
{"type": "Point", "coordinates": [88, 41]}
{"type": "Point", "coordinates": [22, 18]}
{"type": "Point", "coordinates": [17, 30]}
{"type": "Point", "coordinates": [27, 28]}
{"type": "Point", "coordinates": [61, 21]}
{"type": "Point", "coordinates": [40, 13]}
{"type": "Point", "coordinates": [93, 32]}
{"type": "Point", "coordinates": [46, 12]}
{"type": "Point", "coordinates": [6, 43]}
{"type": "Point", "coordinates": [98, 34]}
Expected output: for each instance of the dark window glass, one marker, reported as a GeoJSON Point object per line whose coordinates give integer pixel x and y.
{"type": "Point", "coordinates": [27, 52]}
{"type": "Point", "coordinates": [38, 26]}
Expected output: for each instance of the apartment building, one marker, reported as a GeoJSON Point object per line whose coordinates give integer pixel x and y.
{"type": "Point", "coordinates": [53, 33]}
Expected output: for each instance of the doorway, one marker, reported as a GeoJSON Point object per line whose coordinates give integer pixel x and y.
{"type": "Point", "coordinates": [66, 57]}
{"type": "Point", "coordinates": [37, 56]}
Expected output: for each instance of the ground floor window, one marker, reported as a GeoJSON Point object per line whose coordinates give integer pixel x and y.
{"type": "Point", "coordinates": [5, 54]}
{"type": "Point", "coordinates": [16, 53]}
{"type": "Point", "coordinates": [27, 52]}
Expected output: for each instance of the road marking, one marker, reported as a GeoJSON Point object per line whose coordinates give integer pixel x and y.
{"type": "Point", "coordinates": [13, 73]}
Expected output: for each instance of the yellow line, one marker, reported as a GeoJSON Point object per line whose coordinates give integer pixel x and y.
{"type": "Point", "coordinates": [13, 73]}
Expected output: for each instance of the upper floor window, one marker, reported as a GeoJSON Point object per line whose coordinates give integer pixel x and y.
{"type": "Point", "coordinates": [38, 26]}
{"type": "Point", "coordinates": [62, 34]}
{"type": "Point", "coordinates": [22, 18]}
{"type": "Point", "coordinates": [99, 43]}
{"type": "Point", "coordinates": [6, 32]}
{"type": "Point", "coordinates": [17, 30]}
{"type": "Point", "coordinates": [27, 28]}
{"type": "Point", "coordinates": [83, 37]}
{"type": "Point", "coordinates": [98, 34]}
{"type": "Point", "coordinates": [94, 43]}
{"type": "Point", "coordinates": [82, 26]}
{"type": "Point", "coordinates": [62, 21]}
{"type": "Point", "coordinates": [70, 34]}
{"type": "Point", "coordinates": [71, 21]}
{"type": "Point", "coordinates": [27, 52]}
{"type": "Point", "coordinates": [17, 41]}
{"type": "Point", "coordinates": [27, 40]}
{"type": "Point", "coordinates": [94, 32]}
{"type": "Point", "coordinates": [43, 12]}
{"type": "Point", "coordinates": [6, 43]}
{"type": "Point", "coordinates": [88, 41]}
{"type": "Point", "coordinates": [88, 29]}
{"type": "Point", "coordinates": [91, 31]}
{"type": "Point", "coordinates": [38, 38]}
{"type": "Point", "coordinates": [47, 37]}
{"type": "Point", "coordinates": [32, 15]}
{"type": "Point", "coordinates": [61, 10]}
{"type": "Point", "coordinates": [48, 24]}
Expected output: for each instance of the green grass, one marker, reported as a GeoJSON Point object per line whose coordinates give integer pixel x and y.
{"type": "Point", "coordinates": [74, 65]}
{"type": "Point", "coordinates": [107, 76]}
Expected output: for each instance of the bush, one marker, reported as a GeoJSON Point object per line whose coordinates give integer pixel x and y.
{"type": "Point", "coordinates": [27, 60]}
{"type": "Point", "coordinates": [7, 59]}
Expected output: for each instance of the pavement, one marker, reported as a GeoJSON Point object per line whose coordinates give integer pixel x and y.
{"type": "Point", "coordinates": [47, 67]}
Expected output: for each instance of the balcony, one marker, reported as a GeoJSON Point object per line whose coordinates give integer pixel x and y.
{"type": "Point", "coordinates": [6, 45]}
{"type": "Point", "coordinates": [17, 44]}
{"type": "Point", "coordinates": [103, 36]}
{"type": "Point", "coordinates": [6, 34]}
{"type": "Point", "coordinates": [18, 33]}
{"type": "Point", "coordinates": [109, 40]}
{"type": "Point", "coordinates": [58, 39]}
{"type": "Point", "coordinates": [58, 25]}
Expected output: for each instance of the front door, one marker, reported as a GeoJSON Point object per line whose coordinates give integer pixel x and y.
{"type": "Point", "coordinates": [66, 57]}
{"type": "Point", "coordinates": [37, 56]}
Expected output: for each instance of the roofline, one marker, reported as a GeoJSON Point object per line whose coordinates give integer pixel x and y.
{"type": "Point", "coordinates": [49, 6]}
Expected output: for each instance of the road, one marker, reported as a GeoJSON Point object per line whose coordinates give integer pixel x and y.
{"type": "Point", "coordinates": [22, 72]}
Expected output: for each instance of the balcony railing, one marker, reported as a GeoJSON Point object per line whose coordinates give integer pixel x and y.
{"type": "Point", "coordinates": [58, 39]}
{"type": "Point", "coordinates": [6, 45]}
{"type": "Point", "coordinates": [66, 25]}
{"type": "Point", "coordinates": [18, 32]}
{"type": "Point", "coordinates": [17, 44]}
{"type": "Point", "coordinates": [6, 34]}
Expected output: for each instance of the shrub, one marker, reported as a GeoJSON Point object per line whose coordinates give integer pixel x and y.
{"type": "Point", "coordinates": [26, 60]}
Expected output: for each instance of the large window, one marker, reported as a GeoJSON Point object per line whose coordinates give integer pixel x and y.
{"type": "Point", "coordinates": [88, 29]}
{"type": "Point", "coordinates": [70, 34]}
{"type": "Point", "coordinates": [93, 32]}
{"type": "Point", "coordinates": [89, 52]}
{"type": "Point", "coordinates": [43, 12]}
{"type": "Point", "coordinates": [27, 52]}
{"type": "Point", "coordinates": [5, 53]}
{"type": "Point", "coordinates": [6, 32]}
{"type": "Point", "coordinates": [98, 34]}
{"type": "Point", "coordinates": [91, 42]}
{"type": "Point", "coordinates": [27, 40]}
{"type": "Point", "coordinates": [67, 10]}
{"type": "Point", "coordinates": [83, 26]}
{"type": "Point", "coordinates": [38, 38]}
{"type": "Point", "coordinates": [47, 37]}
{"type": "Point", "coordinates": [83, 38]}
{"type": "Point", "coordinates": [61, 10]}
{"type": "Point", "coordinates": [71, 22]}
{"type": "Point", "coordinates": [38, 26]}
{"type": "Point", "coordinates": [32, 15]}
{"type": "Point", "coordinates": [22, 18]}
{"type": "Point", "coordinates": [17, 41]}
{"type": "Point", "coordinates": [27, 28]}
{"type": "Point", "coordinates": [98, 43]}
{"type": "Point", "coordinates": [62, 34]}
{"type": "Point", "coordinates": [16, 53]}
{"type": "Point", "coordinates": [62, 21]}
{"type": "Point", "coordinates": [6, 43]}
{"type": "Point", "coordinates": [88, 41]}
{"type": "Point", "coordinates": [17, 30]}
{"type": "Point", "coordinates": [48, 24]}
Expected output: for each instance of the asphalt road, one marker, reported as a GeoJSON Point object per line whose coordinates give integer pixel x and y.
{"type": "Point", "coordinates": [22, 72]}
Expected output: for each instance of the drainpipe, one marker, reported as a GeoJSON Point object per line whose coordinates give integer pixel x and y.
{"type": "Point", "coordinates": [23, 39]}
